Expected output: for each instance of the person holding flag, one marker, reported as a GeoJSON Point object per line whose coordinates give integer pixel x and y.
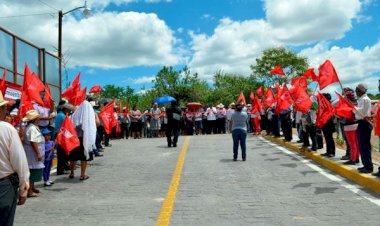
{"type": "Point", "coordinates": [362, 114]}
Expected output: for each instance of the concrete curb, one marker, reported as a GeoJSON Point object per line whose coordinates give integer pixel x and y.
{"type": "Point", "coordinates": [352, 174]}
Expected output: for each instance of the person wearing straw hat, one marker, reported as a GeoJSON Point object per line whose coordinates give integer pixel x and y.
{"type": "Point", "coordinates": [14, 171]}
{"type": "Point", "coordinates": [34, 145]}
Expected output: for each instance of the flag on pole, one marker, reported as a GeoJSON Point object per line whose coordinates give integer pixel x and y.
{"type": "Point", "coordinates": [259, 91]}
{"type": "Point", "coordinates": [277, 71]}
{"type": "Point", "coordinates": [107, 117]}
{"type": "Point", "coordinates": [343, 108]}
{"type": "Point", "coordinates": [241, 99]}
{"type": "Point", "coordinates": [309, 73]}
{"type": "Point", "coordinates": [327, 74]}
{"type": "Point", "coordinates": [325, 111]}
{"type": "Point", "coordinates": [2, 83]}
{"type": "Point", "coordinates": [67, 137]}
{"type": "Point", "coordinates": [96, 89]}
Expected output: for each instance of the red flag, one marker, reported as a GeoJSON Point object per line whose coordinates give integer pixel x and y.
{"type": "Point", "coordinates": [327, 74]}
{"type": "Point", "coordinates": [269, 98]}
{"type": "Point", "coordinates": [299, 82]}
{"type": "Point", "coordinates": [343, 108]}
{"type": "Point", "coordinates": [32, 86]}
{"type": "Point", "coordinates": [80, 97]}
{"type": "Point", "coordinates": [302, 101]}
{"type": "Point", "coordinates": [67, 137]}
{"type": "Point", "coordinates": [107, 117]}
{"type": "Point", "coordinates": [284, 99]}
{"type": "Point", "coordinates": [241, 99]}
{"type": "Point", "coordinates": [277, 71]}
{"type": "Point", "coordinates": [309, 73]}
{"type": "Point", "coordinates": [325, 111]}
{"type": "Point", "coordinates": [259, 91]}
{"type": "Point", "coordinates": [48, 98]}
{"type": "Point", "coordinates": [96, 89]}
{"type": "Point", "coordinates": [256, 105]}
{"type": "Point", "coordinates": [376, 123]}
{"type": "Point", "coordinates": [2, 83]}
{"type": "Point", "coordinates": [71, 92]}
{"type": "Point", "coordinates": [252, 96]}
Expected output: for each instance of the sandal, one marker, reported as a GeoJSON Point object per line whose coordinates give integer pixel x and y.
{"type": "Point", "coordinates": [35, 190]}
{"type": "Point", "coordinates": [84, 177]}
{"type": "Point", "coordinates": [71, 176]}
{"type": "Point", "coordinates": [33, 195]}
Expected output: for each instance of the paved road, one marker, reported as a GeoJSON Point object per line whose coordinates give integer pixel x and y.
{"type": "Point", "coordinates": [273, 187]}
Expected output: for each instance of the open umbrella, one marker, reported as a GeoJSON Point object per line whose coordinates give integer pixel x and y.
{"type": "Point", "coordinates": [194, 105]}
{"type": "Point", "coordinates": [164, 99]}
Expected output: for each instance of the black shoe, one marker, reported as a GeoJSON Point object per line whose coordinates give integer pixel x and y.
{"type": "Point", "coordinates": [299, 141]}
{"type": "Point", "coordinates": [244, 160]}
{"type": "Point", "coordinates": [345, 157]}
{"type": "Point", "coordinates": [349, 162]}
{"type": "Point", "coordinates": [376, 174]}
{"type": "Point", "coordinates": [235, 160]}
{"type": "Point", "coordinates": [325, 154]}
{"type": "Point", "coordinates": [365, 170]}
{"type": "Point", "coordinates": [174, 145]}
{"type": "Point", "coordinates": [331, 155]}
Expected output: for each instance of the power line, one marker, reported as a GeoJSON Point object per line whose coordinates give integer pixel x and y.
{"type": "Point", "coordinates": [26, 15]}
{"type": "Point", "coordinates": [48, 5]}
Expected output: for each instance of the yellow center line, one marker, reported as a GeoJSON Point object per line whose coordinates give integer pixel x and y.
{"type": "Point", "coordinates": [168, 205]}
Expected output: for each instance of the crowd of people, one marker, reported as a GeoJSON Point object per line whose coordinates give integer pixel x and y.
{"type": "Point", "coordinates": [27, 147]}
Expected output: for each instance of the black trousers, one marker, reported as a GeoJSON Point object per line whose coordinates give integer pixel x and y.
{"type": "Point", "coordinates": [328, 130]}
{"type": "Point", "coordinates": [8, 199]}
{"type": "Point", "coordinates": [286, 126]}
{"type": "Point", "coordinates": [124, 130]}
{"type": "Point", "coordinates": [221, 128]}
{"type": "Point", "coordinates": [172, 131]}
{"type": "Point", "coordinates": [275, 126]}
{"type": "Point", "coordinates": [189, 128]}
{"type": "Point", "coordinates": [62, 160]}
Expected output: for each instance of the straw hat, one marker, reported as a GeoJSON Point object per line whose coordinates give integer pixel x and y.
{"type": "Point", "coordinates": [220, 105]}
{"type": "Point", "coordinates": [2, 101]}
{"type": "Point", "coordinates": [30, 115]}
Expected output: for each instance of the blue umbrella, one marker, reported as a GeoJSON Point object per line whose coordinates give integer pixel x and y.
{"type": "Point", "coordinates": [164, 99]}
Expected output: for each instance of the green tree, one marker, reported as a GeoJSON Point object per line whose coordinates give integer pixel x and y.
{"type": "Point", "coordinates": [227, 87]}
{"type": "Point", "coordinates": [295, 64]}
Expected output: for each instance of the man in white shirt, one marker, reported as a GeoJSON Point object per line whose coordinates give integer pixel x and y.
{"type": "Point", "coordinates": [14, 170]}
{"type": "Point", "coordinates": [362, 114]}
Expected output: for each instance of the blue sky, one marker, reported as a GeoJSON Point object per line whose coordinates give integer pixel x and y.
{"type": "Point", "coordinates": [126, 42]}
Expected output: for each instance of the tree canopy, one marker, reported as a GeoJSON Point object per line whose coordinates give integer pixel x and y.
{"type": "Point", "coordinates": [293, 64]}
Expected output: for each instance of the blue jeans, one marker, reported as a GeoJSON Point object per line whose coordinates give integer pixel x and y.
{"type": "Point", "coordinates": [239, 135]}
{"type": "Point", "coordinates": [364, 136]}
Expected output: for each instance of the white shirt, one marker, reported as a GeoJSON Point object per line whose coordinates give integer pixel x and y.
{"type": "Point", "coordinates": [364, 106]}
{"type": "Point", "coordinates": [12, 154]}
{"type": "Point", "coordinates": [43, 112]}
{"type": "Point", "coordinates": [211, 114]}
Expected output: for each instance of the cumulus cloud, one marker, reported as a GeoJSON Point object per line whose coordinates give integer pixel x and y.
{"type": "Point", "coordinates": [308, 21]}
{"type": "Point", "coordinates": [106, 39]}
{"type": "Point", "coordinates": [234, 45]}
{"type": "Point", "coordinates": [352, 65]}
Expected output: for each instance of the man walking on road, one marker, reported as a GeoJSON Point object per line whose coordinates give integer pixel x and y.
{"type": "Point", "coordinates": [174, 115]}
{"type": "Point", "coordinates": [239, 131]}
{"type": "Point", "coordinates": [14, 170]}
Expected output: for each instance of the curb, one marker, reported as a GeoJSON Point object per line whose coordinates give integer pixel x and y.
{"type": "Point", "coordinates": [352, 174]}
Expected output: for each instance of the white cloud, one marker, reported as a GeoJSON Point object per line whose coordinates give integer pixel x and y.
{"type": "Point", "coordinates": [232, 47]}
{"type": "Point", "coordinates": [207, 16]}
{"type": "Point", "coordinates": [352, 65]}
{"type": "Point", "coordinates": [106, 39]}
{"type": "Point", "coordinates": [235, 45]}
{"type": "Point", "coordinates": [297, 22]}
{"type": "Point", "coordinates": [144, 79]}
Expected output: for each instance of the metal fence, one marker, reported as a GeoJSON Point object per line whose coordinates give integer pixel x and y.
{"type": "Point", "coordinates": [15, 52]}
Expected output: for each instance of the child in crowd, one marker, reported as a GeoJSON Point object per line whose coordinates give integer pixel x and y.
{"type": "Point", "coordinates": [49, 156]}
